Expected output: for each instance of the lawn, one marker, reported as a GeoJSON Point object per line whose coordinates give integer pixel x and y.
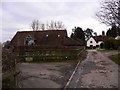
{"type": "Point", "coordinates": [115, 58]}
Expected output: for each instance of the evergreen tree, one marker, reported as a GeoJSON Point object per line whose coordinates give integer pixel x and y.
{"type": "Point", "coordinates": [113, 31]}
{"type": "Point", "coordinates": [78, 33]}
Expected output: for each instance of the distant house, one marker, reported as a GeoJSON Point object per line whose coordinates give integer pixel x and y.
{"type": "Point", "coordinates": [97, 41]}
{"type": "Point", "coordinates": [117, 37]}
{"type": "Point", "coordinates": [43, 39]}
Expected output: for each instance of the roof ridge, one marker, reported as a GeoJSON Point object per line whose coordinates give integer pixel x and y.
{"type": "Point", "coordinates": [42, 31]}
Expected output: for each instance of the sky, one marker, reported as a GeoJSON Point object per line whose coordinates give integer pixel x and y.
{"type": "Point", "coordinates": [17, 15]}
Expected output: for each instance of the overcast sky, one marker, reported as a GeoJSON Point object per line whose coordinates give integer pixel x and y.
{"type": "Point", "coordinates": [18, 15]}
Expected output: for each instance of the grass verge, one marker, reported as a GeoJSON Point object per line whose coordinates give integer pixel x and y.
{"type": "Point", "coordinates": [115, 58]}
{"type": "Point", "coordinates": [106, 50]}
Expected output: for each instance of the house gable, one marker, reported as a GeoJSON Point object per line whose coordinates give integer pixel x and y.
{"type": "Point", "coordinates": [117, 37]}
{"type": "Point", "coordinates": [92, 42]}
{"type": "Point", "coordinates": [97, 41]}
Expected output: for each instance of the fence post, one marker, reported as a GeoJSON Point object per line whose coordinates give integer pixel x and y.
{"type": "Point", "coordinates": [14, 74]}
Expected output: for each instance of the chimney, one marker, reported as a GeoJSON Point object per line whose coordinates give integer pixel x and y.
{"type": "Point", "coordinates": [103, 33]}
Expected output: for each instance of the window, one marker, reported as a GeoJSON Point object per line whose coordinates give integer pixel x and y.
{"type": "Point", "coordinates": [90, 41]}
{"type": "Point", "coordinates": [29, 40]}
{"type": "Point", "coordinates": [46, 35]}
{"type": "Point", "coordinates": [97, 46]}
{"type": "Point", "coordinates": [58, 35]}
{"type": "Point", "coordinates": [91, 46]}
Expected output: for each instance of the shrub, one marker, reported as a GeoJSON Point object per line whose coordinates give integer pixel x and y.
{"type": "Point", "coordinates": [7, 60]}
{"type": "Point", "coordinates": [9, 69]}
{"type": "Point", "coordinates": [112, 44]}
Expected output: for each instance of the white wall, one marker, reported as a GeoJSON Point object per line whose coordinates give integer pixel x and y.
{"type": "Point", "coordinates": [99, 42]}
{"type": "Point", "coordinates": [94, 43]}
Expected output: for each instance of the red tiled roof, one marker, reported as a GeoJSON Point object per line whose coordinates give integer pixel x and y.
{"type": "Point", "coordinates": [40, 37]}
{"type": "Point", "coordinates": [101, 38]}
{"type": "Point", "coordinates": [71, 42]}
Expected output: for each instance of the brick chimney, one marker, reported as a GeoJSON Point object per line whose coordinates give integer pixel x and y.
{"type": "Point", "coordinates": [103, 33]}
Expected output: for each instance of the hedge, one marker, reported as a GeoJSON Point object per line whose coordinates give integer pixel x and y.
{"type": "Point", "coordinates": [112, 44]}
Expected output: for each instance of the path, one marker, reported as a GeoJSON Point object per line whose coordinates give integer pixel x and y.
{"type": "Point", "coordinates": [96, 71]}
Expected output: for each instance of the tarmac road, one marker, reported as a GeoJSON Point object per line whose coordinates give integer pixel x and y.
{"type": "Point", "coordinates": [96, 71]}
{"type": "Point", "coordinates": [45, 75]}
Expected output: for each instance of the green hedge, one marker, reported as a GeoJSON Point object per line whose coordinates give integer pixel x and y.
{"type": "Point", "coordinates": [50, 55]}
{"type": "Point", "coordinates": [50, 58]}
{"type": "Point", "coordinates": [112, 44]}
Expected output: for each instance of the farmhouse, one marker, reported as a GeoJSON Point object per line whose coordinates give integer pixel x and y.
{"type": "Point", "coordinates": [117, 37]}
{"type": "Point", "coordinates": [96, 41]}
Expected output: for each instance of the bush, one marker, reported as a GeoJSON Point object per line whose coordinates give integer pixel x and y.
{"type": "Point", "coordinates": [112, 44]}
{"type": "Point", "coordinates": [8, 62]}
{"type": "Point", "coordinates": [50, 55]}
{"type": "Point", "coordinates": [9, 70]}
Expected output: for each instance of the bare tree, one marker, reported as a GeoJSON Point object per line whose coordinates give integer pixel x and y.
{"type": "Point", "coordinates": [35, 25]}
{"type": "Point", "coordinates": [47, 25]}
{"type": "Point", "coordinates": [60, 25]}
{"type": "Point", "coordinates": [56, 25]}
{"type": "Point", "coordinates": [42, 26]}
{"type": "Point", "coordinates": [52, 25]}
{"type": "Point", "coordinates": [109, 12]}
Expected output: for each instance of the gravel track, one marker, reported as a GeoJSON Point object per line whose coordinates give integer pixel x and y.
{"type": "Point", "coordinates": [96, 71]}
